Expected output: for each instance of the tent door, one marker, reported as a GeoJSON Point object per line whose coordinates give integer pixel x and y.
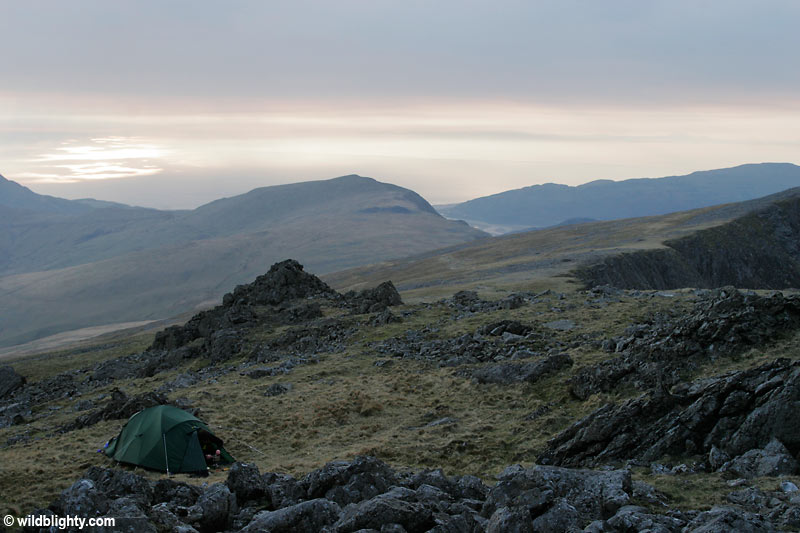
{"type": "Point", "coordinates": [193, 460]}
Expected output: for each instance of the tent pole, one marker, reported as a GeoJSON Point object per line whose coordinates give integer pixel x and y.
{"type": "Point", "coordinates": [166, 458]}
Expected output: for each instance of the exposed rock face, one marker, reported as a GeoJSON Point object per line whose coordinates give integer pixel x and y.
{"type": "Point", "coordinates": [723, 323]}
{"type": "Point", "coordinates": [9, 381]}
{"type": "Point", "coordinates": [735, 413]}
{"type": "Point", "coordinates": [757, 251]}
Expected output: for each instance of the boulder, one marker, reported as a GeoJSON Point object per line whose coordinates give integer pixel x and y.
{"type": "Point", "coordinates": [83, 499]}
{"type": "Point", "coordinates": [175, 493]}
{"type": "Point", "coordinates": [9, 381]}
{"type": "Point", "coordinates": [722, 519]}
{"type": "Point", "coordinates": [384, 509]}
{"type": "Point", "coordinates": [215, 508]}
{"type": "Point", "coordinates": [562, 516]}
{"type": "Point", "coordinates": [246, 482]}
{"type": "Point", "coordinates": [510, 520]}
{"type": "Point", "coordinates": [312, 515]}
{"type": "Point", "coordinates": [283, 490]}
{"type": "Point", "coordinates": [772, 460]}
{"type": "Point", "coordinates": [119, 483]}
{"type": "Point", "coordinates": [347, 482]}
{"type": "Point", "coordinates": [373, 300]}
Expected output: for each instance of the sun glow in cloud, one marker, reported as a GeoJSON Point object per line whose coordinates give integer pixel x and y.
{"type": "Point", "coordinates": [101, 159]}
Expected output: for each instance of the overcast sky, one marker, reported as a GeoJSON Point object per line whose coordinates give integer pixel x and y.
{"type": "Point", "coordinates": [172, 104]}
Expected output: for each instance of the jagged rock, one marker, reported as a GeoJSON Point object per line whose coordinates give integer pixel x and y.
{"type": "Point", "coordinates": [717, 458]}
{"type": "Point", "coordinates": [329, 335]}
{"type": "Point", "coordinates": [312, 515]}
{"type": "Point", "coordinates": [118, 484]}
{"type": "Point", "coordinates": [223, 344]}
{"type": "Point", "coordinates": [120, 406]}
{"type": "Point", "coordinates": [690, 419]}
{"type": "Point", "coordinates": [507, 373]}
{"type": "Point", "coordinates": [725, 322]}
{"type": "Point", "coordinates": [510, 520]}
{"type": "Point", "coordinates": [561, 517]}
{"type": "Point", "coordinates": [9, 381]}
{"type": "Point", "coordinates": [373, 300]}
{"type": "Point", "coordinates": [175, 492]}
{"type": "Point", "coordinates": [541, 489]}
{"type": "Point", "coordinates": [215, 506]}
{"type": "Point", "coordinates": [283, 490]}
{"type": "Point", "coordinates": [632, 518]}
{"type": "Point", "coordinates": [82, 499]}
{"type": "Point", "coordinates": [245, 482]}
{"type": "Point", "coordinates": [284, 282]}
{"type": "Point", "coordinates": [726, 519]}
{"type": "Point", "coordinates": [384, 509]}
{"type": "Point", "coordinates": [128, 517]}
{"type": "Point", "coordinates": [773, 460]}
{"type": "Point", "coordinates": [347, 482]}
{"type": "Point", "coordinates": [166, 521]}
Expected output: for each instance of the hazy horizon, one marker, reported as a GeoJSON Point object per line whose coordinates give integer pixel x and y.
{"type": "Point", "coordinates": [173, 105]}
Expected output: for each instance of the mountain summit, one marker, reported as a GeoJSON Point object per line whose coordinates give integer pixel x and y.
{"type": "Point", "coordinates": [61, 271]}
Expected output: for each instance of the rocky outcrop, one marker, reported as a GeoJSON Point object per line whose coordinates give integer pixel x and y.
{"type": "Point", "coordinates": [757, 251]}
{"type": "Point", "coordinates": [728, 415]}
{"type": "Point", "coordinates": [284, 282]}
{"type": "Point", "coordinates": [723, 322]}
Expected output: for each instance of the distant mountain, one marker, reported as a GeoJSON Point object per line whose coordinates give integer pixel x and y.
{"type": "Point", "coordinates": [12, 194]}
{"type": "Point", "coordinates": [546, 205]}
{"type": "Point", "coordinates": [61, 271]}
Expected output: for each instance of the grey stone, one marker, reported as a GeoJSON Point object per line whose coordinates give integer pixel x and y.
{"type": "Point", "coordinates": [10, 381]}
{"type": "Point", "coordinates": [312, 515]}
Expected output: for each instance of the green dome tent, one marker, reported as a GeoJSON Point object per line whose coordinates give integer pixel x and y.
{"type": "Point", "coordinates": [165, 438]}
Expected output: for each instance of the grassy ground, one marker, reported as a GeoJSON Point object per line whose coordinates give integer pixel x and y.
{"type": "Point", "coordinates": [345, 405]}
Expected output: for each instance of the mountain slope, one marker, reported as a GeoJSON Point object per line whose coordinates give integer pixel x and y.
{"type": "Point", "coordinates": [121, 265]}
{"type": "Point", "coordinates": [550, 204]}
{"type": "Point", "coordinates": [634, 253]}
